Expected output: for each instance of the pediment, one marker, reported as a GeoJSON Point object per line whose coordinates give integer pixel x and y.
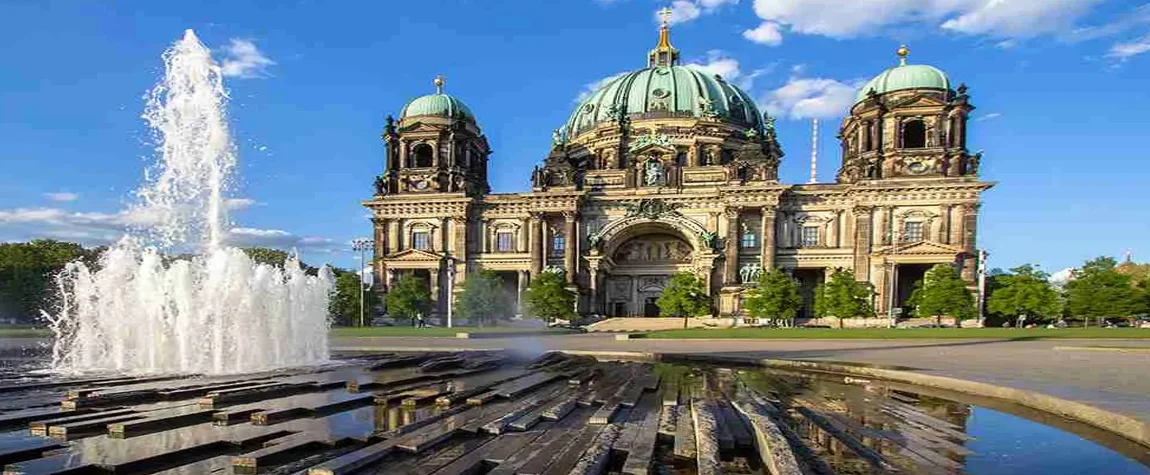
{"type": "Point", "coordinates": [659, 148]}
{"type": "Point", "coordinates": [414, 255]}
{"type": "Point", "coordinates": [420, 127]}
{"type": "Point", "coordinates": [923, 248]}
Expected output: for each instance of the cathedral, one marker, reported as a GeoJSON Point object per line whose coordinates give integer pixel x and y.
{"type": "Point", "coordinates": [668, 169]}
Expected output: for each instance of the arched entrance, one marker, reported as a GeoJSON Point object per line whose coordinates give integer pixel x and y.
{"type": "Point", "coordinates": [637, 263]}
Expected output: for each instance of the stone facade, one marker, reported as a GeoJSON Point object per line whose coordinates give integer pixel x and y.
{"type": "Point", "coordinates": [624, 200]}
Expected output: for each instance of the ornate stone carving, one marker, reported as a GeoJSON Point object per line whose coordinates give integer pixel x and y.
{"type": "Point", "coordinates": [652, 208]}
{"type": "Point", "coordinates": [653, 249]}
{"type": "Point", "coordinates": [650, 139]}
{"type": "Point", "coordinates": [749, 273]}
{"type": "Point", "coordinates": [653, 174]}
{"type": "Point", "coordinates": [709, 240]}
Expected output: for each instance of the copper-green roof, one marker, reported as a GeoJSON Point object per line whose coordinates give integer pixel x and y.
{"type": "Point", "coordinates": [439, 105]}
{"type": "Point", "coordinates": [903, 77]}
{"type": "Point", "coordinates": [674, 90]}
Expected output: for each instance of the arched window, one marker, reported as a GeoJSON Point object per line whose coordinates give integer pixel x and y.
{"type": "Point", "coordinates": [749, 239]}
{"type": "Point", "coordinates": [681, 159]}
{"type": "Point", "coordinates": [421, 156]}
{"type": "Point", "coordinates": [558, 244]}
{"type": "Point", "coordinates": [913, 134]}
{"type": "Point", "coordinates": [866, 138]}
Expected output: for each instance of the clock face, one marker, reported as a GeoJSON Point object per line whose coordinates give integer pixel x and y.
{"type": "Point", "coordinates": [421, 185]}
{"type": "Point", "coordinates": [917, 167]}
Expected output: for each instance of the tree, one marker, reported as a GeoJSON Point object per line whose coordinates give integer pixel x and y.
{"type": "Point", "coordinates": [844, 297]}
{"type": "Point", "coordinates": [482, 298]}
{"type": "Point", "coordinates": [26, 271]}
{"type": "Point", "coordinates": [684, 296]}
{"type": "Point", "coordinates": [548, 298]}
{"type": "Point", "coordinates": [1099, 290]}
{"type": "Point", "coordinates": [408, 297]}
{"type": "Point", "coordinates": [942, 292]}
{"type": "Point", "coordinates": [777, 297]}
{"type": "Point", "coordinates": [274, 257]}
{"type": "Point", "coordinates": [1026, 291]}
{"type": "Point", "coordinates": [344, 303]}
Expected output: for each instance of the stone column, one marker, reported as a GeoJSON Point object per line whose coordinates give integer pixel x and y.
{"type": "Point", "coordinates": [521, 286]}
{"type": "Point", "coordinates": [403, 146]}
{"type": "Point", "coordinates": [593, 270]}
{"type": "Point", "coordinates": [969, 243]}
{"type": "Point", "coordinates": [956, 225]}
{"type": "Point", "coordinates": [569, 258]}
{"type": "Point", "coordinates": [436, 302]}
{"type": "Point", "coordinates": [944, 224]}
{"type": "Point", "coordinates": [445, 236]}
{"type": "Point", "coordinates": [393, 236]}
{"type": "Point", "coordinates": [782, 225]}
{"type": "Point", "coordinates": [731, 269]}
{"type": "Point", "coordinates": [379, 250]}
{"type": "Point", "coordinates": [767, 239]}
{"type": "Point", "coordinates": [535, 224]}
{"type": "Point", "coordinates": [833, 230]}
{"type": "Point", "coordinates": [862, 241]}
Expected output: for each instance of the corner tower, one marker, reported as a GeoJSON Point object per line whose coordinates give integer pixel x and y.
{"type": "Point", "coordinates": [435, 147]}
{"type": "Point", "coordinates": [907, 122]}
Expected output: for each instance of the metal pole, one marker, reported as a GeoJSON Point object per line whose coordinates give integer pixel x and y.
{"type": "Point", "coordinates": [982, 288]}
{"type": "Point", "coordinates": [361, 245]}
{"type": "Point", "coordinates": [450, 291]}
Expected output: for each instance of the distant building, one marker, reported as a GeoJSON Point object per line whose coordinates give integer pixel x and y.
{"type": "Point", "coordinates": [668, 169]}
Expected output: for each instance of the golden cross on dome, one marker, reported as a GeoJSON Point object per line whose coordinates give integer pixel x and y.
{"type": "Point", "coordinates": [665, 14]}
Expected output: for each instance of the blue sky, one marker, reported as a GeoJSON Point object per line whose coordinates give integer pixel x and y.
{"type": "Point", "coordinates": [1060, 87]}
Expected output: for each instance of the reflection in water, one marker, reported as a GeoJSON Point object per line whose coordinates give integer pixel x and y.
{"type": "Point", "coordinates": [1005, 444]}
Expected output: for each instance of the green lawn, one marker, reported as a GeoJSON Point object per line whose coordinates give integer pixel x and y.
{"type": "Point", "coordinates": [407, 331]}
{"type": "Point", "coordinates": [896, 333]}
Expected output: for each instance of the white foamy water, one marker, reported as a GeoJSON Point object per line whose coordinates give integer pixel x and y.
{"type": "Point", "coordinates": [215, 313]}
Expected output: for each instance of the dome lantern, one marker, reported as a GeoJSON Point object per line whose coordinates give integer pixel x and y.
{"type": "Point", "coordinates": [664, 54]}
{"type": "Point", "coordinates": [439, 104]}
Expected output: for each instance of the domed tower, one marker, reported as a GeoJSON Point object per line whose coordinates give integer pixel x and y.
{"type": "Point", "coordinates": [907, 122]}
{"type": "Point", "coordinates": [436, 147]}
{"type": "Point", "coordinates": [663, 126]}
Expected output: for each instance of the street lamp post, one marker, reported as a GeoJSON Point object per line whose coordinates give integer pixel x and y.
{"type": "Point", "coordinates": [450, 291]}
{"type": "Point", "coordinates": [361, 245]}
{"type": "Point", "coordinates": [893, 280]}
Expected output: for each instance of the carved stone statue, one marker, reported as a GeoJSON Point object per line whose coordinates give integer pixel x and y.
{"type": "Point", "coordinates": [653, 175]}
{"type": "Point", "coordinates": [750, 272]}
{"type": "Point", "coordinates": [380, 186]}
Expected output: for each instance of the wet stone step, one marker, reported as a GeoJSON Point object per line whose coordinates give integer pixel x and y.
{"type": "Point", "coordinates": [160, 420]}
{"type": "Point", "coordinates": [493, 452]}
{"type": "Point", "coordinates": [18, 449]}
{"type": "Point", "coordinates": [334, 403]}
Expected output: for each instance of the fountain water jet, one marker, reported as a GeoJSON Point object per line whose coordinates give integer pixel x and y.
{"type": "Point", "coordinates": [218, 312]}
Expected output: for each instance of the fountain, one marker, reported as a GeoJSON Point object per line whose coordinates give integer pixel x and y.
{"type": "Point", "coordinates": [218, 312]}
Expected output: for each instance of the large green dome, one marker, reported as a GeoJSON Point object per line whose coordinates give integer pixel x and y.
{"type": "Point", "coordinates": [905, 76]}
{"type": "Point", "coordinates": [665, 91]}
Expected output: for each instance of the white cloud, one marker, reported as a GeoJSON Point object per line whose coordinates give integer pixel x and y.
{"type": "Point", "coordinates": [992, 115]}
{"type": "Point", "coordinates": [682, 11]}
{"type": "Point", "coordinates": [593, 86]}
{"type": "Point", "coordinates": [240, 203]}
{"type": "Point", "coordinates": [1060, 278]}
{"type": "Point", "coordinates": [94, 229]}
{"type": "Point", "coordinates": [811, 98]}
{"type": "Point", "coordinates": [1126, 50]}
{"type": "Point", "coordinates": [62, 196]}
{"type": "Point", "coordinates": [1002, 19]}
{"type": "Point", "coordinates": [243, 60]}
{"type": "Point", "coordinates": [717, 62]}
{"type": "Point", "coordinates": [766, 33]}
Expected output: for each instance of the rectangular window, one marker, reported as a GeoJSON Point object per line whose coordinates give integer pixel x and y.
{"type": "Point", "coordinates": [810, 236]}
{"type": "Point", "coordinates": [558, 244]}
{"type": "Point", "coordinates": [912, 231]}
{"type": "Point", "coordinates": [748, 240]}
{"type": "Point", "coordinates": [421, 240]}
{"type": "Point", "coordinates": [504, 242]}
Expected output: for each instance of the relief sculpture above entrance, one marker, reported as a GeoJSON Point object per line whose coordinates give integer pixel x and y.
{"type": "Point", "coordinates": [650, 249]}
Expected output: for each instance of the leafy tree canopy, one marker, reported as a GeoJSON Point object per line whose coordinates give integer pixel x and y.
{"type": "Point", "coordinates": [482, 298]}
{"type": "Point", "coordinates": [547, 297]}
{"type": "Point", "coordinates": [684, 296]}
{"type": "Point", "coordinates": [844, 297]}
{"type": "Point", "coordinates": [777, 297]}
{"type": "Point", "coordinates": [1099, 290]}
{"type": "Point", "coordinates": [26, 271]}
{"type": "Point", "coordinates": [942, 292]}
{"type": "Point", "coordinates": [344, 304]}
{"type": "Point", "coordinates": [408, 297]}
{"type": "Point", "coordinates": [1024, 291]}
